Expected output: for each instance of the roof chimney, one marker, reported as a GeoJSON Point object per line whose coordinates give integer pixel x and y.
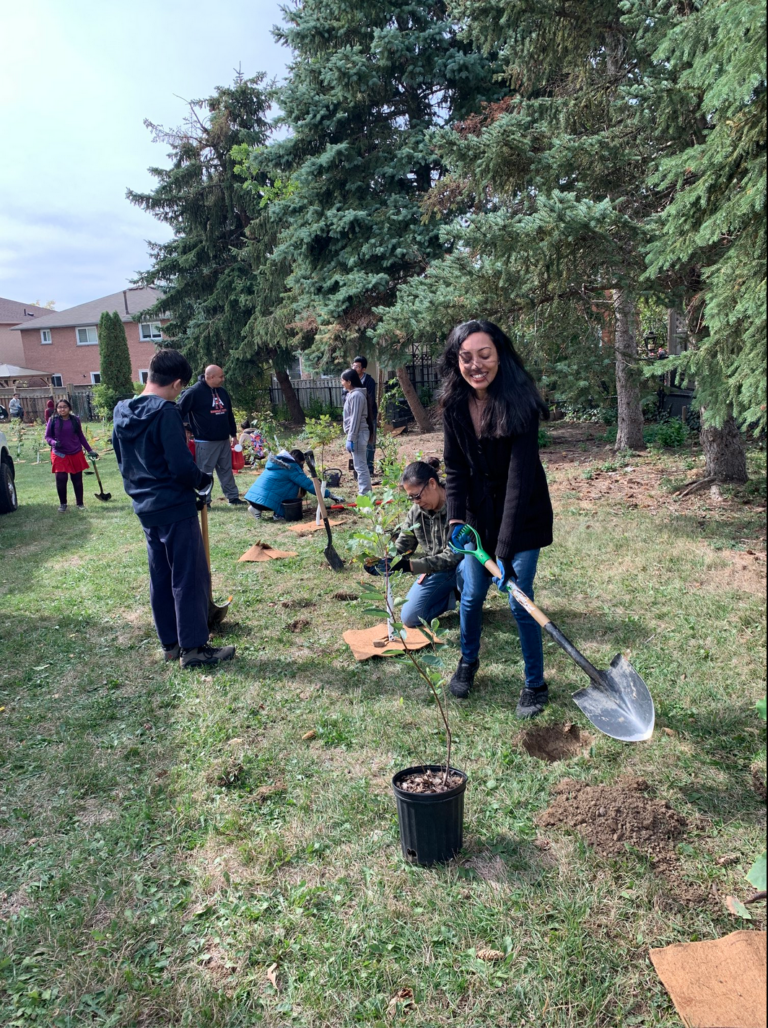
{"type": "Point", "coordinates": [125, 301]}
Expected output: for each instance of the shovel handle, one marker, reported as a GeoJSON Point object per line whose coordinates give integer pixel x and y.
{"type": "Point", "coordinates": [206, 546]}
{"type": "Point", "coordinates": [519, 595]}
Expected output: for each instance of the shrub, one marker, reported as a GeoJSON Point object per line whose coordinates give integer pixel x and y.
{"type": "Point", "coordinates": [671, 434]}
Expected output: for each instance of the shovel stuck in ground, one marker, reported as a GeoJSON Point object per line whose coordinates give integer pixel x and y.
{"type": "Point", "coordinates": [100, 495]}
{"type": "Point", "coordinates": [330, 553]}
{"type": "Point", "coordinates": [617, 702]}
{"type": "Point", "coordinates": [216, 611]}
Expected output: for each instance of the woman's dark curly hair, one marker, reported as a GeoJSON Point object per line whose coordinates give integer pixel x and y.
{"type": "Point", "coordinates": [514, 400]}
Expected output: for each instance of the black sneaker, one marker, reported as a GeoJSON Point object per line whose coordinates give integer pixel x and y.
{"type": "Point", "coordinates": [532, 702]}
{"type": "Point", "coordinates": [235, 503]}
{"type": "Point", "coordinates": [62, 508]}
{"type": "Point", "coordinates": [206, 656]}
{"type": "Point", "coordinates": [463, 679]}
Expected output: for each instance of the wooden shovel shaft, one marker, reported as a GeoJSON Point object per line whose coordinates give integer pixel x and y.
{"type": "Point", "coordinates": [206, 546]}
{"type": "Point", "coordinates": [519, 595]}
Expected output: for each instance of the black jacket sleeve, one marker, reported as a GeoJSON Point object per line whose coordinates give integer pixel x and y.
{"type": "Point", "coordinates": [457, 473]}
{"type": "Point", "coordinates": [184, 403]}
{"type": "Point", "coordinates": [230, 414]}
{"type": "Point", "coordinates": [181, 463]}
{"type": "Point", "coordinates": [521, 480]}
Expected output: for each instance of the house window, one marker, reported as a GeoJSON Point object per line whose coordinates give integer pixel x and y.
{"type": "Point", "coordinates": [87, 336]}
{"type": "Point", "coordinates": [95, 377]}
{"type": "Point", "coordinates": [57, 380]}
{"type": "Point", "coordinates": [143, 376]}
{"type": "Point", "coordinates": [150, 332]}
{"type": "Point", "coordinates": [45, 336]}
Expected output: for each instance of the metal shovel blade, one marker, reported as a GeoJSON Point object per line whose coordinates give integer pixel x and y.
{"type": "Point", "coordinates": [621, 707]}
{"type": "Point", "coordinates": [217, 612]}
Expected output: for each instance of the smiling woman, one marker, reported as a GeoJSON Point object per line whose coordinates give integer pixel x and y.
{"type": "Point", "coordinates": [495, 483]}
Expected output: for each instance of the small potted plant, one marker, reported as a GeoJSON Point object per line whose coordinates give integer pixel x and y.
{"type": "Point", "coordinates": [429, 797]}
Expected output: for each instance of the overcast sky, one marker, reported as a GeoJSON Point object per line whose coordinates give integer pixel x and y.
{"type": "Point", "coordinates": [77, 79]}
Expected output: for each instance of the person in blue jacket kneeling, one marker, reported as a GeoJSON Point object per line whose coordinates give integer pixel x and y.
{"type": "Point", "coordinates": [282, 479]}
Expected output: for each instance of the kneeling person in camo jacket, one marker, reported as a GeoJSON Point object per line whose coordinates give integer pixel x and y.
{"type": "Point", "coordinates": [423, 542]}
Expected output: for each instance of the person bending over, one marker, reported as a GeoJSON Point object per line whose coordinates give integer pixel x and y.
{"type": "Point", "coordinates": [426, 533]}
{"type": "Point", "coordinates": [495, 482]}
{"type": "Point", "coordinates": [161, 477]}
{"type": "Point", "coordinates": [282, 479]}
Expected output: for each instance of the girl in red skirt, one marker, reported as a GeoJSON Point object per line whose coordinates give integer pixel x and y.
{"type": "Point", "coordinates": [65, 437]}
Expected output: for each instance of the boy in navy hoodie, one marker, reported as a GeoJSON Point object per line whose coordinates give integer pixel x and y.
{"type": "Point", "coordinates": [161, 477]}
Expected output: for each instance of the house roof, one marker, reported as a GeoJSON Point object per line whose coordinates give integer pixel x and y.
{"type": "Point", "coordinates": [127, 303]}
{"type": "Point", "coordinates": [12, 312]}
{"type": "Point", "coordinates": [13, 371]}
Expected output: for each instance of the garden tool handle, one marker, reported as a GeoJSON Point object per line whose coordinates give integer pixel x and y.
{"type": "Point", "coordinates": [319, 496]}
{"type": "Point", "coordinates": [96, 471]}
{"type": "Point", "coordinates": [519, 595]}
{"type": "Point", "coordinates": [206, 541]}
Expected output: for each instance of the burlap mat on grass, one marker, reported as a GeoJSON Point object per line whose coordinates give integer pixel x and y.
{"type": "Point", "coordinates": [312, 526]}
{"type": "Point", "coordinates": [717, 984]}
{"type": "Point", "coordinates": [374, 642]}
{"type": "Point", "coordinates": [263, 551]}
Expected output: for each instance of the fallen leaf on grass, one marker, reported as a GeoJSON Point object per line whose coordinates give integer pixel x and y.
{"type": "Point", "coordinates": [670, 732]}
{"type": "Point", "coordinates": [737, 907]}
{"type": "Point", "coordinates": [309, 735]}
{"type": "Point", "coordinates": [402, 999]}
{"type": "Point", "coordinates": [272, 975]}
{"type": "Point", "coordinates": [729, 858]}
{"type": "Point", "coordinates": [490, 955]}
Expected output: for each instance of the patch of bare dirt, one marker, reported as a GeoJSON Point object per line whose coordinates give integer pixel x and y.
{"type": "Point", "coordinates": [758, 782]}
{"type": "Point", "coordinates": [612, 817]}
{"type": "Point", "coordinates": [300, 603]}
{"type": "Point", "coordinates": [556, 742]}
{"type": "Point", "coordinates": [299, 625]}
{"type": "Point", "coordinates": [341, 595]}
{"type": "Point", "coordinates": [13, 903]}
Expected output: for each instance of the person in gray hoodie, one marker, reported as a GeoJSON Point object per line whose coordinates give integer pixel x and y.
{"type": "Point", "coordinates": [357, 427]}
{"type": "Point", "coordinates": [161, 477]}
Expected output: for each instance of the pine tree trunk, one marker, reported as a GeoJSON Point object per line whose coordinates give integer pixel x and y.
{"type": "Point", "coordinates": [725, 452]}
{"type": "Point", "coordinates": [417, 408]}
{"type": "Point", "coordinates": [629, 435]}
{"type": "Point", "coordinates": [295, 411]}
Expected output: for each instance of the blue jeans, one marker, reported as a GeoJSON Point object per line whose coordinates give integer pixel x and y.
{"type": "Point", "coordinates": [429, 599]}
{"type": "Point", "coordinates": [473, 582]}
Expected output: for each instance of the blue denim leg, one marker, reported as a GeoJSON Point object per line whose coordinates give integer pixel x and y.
{"type": "Point", "coordinates": [473, 581]}
{"type": "Point", "coordinates": [429, 599]}
{"type": "Point", "coordinates": [524, 564]}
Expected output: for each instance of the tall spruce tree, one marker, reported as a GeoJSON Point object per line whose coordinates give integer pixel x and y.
{"type": "Point", "coordinates": [368, 83]}
{"type": "Point", "coordinates": [556, 174]}
{"type": "Point", "coordinates": [116, 382]}
{"type": "Point", "coordinates": [711, 236]}
{"type": "Point", "coordinates": [210, 285]}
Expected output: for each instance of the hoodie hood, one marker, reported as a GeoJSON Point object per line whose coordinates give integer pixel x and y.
{"type": "Point", "coordinates": [133, 416]}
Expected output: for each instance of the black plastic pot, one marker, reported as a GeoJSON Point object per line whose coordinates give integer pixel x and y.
{"type": "Point", "coordinates": [293, 509]}
{"type": "Point", "coordinates": [431, 824]}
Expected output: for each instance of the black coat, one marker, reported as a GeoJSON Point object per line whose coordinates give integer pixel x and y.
{"type": "Point", "coordinates": [497, 485]}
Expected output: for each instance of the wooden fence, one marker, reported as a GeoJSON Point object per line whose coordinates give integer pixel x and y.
{"type": "Point", "coordinates": [34, 400]}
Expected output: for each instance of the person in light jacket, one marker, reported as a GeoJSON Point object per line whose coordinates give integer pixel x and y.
{"type": "Point", "coordinates": [356, 426]}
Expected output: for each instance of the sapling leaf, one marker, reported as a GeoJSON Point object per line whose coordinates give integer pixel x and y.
{"type": "Point", "coordinates": [377, 611]}
{"type": "Point", "coordinates": [757, 873]}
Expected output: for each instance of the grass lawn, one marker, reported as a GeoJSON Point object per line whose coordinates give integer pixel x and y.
{"type": "Point", "coordinates": [173, 852]}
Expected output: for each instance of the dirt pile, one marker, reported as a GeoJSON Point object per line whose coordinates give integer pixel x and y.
{"type": "Point", "coordinates": [556, 742]}
{"type": "Point", "coordinates": [612, 818]}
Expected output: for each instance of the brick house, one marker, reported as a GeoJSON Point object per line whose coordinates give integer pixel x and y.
{"type": "Point", "coordinates": [11, 313]}
{"type": "Point", "coordinates": [65, 343]}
